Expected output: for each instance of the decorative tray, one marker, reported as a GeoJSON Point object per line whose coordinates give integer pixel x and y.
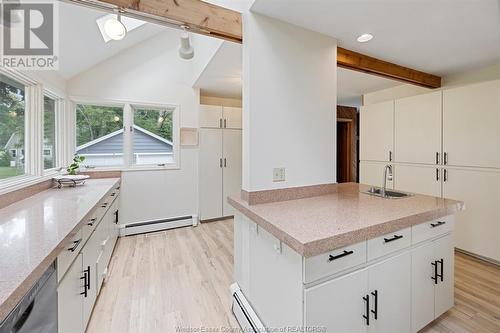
{"type": "Point", "coordinates": [70, 180]}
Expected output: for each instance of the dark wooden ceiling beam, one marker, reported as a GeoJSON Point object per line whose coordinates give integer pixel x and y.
{"type": "Point", "coordinates": [363, 63]}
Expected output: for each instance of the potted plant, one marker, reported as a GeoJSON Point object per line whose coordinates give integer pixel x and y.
{"type": "Point", "coordinates": [74, 167]}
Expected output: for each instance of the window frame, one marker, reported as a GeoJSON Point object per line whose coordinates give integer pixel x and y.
{"type": "Point", "coordinates": [35, 91]}
{"type": "Point", "coordinates": [128, 107]}
{"type": "Point", "coordinates": [57, 148]}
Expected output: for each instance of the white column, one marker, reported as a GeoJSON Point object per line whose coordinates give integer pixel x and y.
{"type": "Point", "coordinates": [289, 104]}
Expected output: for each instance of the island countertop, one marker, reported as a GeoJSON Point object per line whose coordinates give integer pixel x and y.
{"type": "Point", "coordinates": [318, 224]}
{"type": "Point", "coordinates": [35, 230]}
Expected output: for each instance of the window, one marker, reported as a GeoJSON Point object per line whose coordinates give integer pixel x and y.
{"type": "Point", "coordinates": [99, 134]}
{"type": "Point", "coordinates": [49, 132]}
{"type": "Point", "coordinates": [152, 139]}
{"type": "Point", "coordinates": [12, 128]}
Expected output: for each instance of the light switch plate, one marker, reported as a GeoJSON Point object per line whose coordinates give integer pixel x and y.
{"type": "Point", "coordinates": [278, 174]}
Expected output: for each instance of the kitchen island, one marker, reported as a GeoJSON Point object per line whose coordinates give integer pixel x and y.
{"type": "Point", "coordinates": [342, 260]}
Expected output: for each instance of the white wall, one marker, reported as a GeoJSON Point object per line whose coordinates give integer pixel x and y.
{"type": "Point", "coordinates": [406, 90]}
{"type": "Point", "coordinates": [289, 104]}
{"type": "Point", "coordinates": [151, 72]}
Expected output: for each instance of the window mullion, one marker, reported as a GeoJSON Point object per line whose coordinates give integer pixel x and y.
{"type": "Point", "coordinates": [128, 135]}
{"type": "Point", "coordinates": [34, 130]}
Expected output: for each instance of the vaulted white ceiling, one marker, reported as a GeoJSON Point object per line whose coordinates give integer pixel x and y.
{"type": "Point", "coordinates": [222, 75]}
{"type": "Point", "coordinates": [81, 45]}
{"type": "Point", "coordinates": [437, 36]}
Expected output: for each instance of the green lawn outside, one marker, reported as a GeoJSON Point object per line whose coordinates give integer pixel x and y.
{"type": "Point", "coordinates": [6, 172]}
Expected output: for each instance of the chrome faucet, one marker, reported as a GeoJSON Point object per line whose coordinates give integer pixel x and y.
{"type": "Point", "coordinates": [386, 175]}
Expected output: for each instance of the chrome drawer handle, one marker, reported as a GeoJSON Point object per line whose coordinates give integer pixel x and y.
{"type": "Point", "coordinates": [76, 243]}
{"type": "Point", "coordinates": [338, 256]}
{"type": "Point", "coordinates": [437, 224]}
{"type": "Point", "coordinates": [396, 237]}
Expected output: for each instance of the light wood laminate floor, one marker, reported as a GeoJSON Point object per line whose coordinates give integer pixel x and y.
{"type": "Point", "coordinates": [180, 278]}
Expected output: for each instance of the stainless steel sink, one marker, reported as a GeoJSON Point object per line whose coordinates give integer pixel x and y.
{"type": "Point", "coordinates": [389, 194]}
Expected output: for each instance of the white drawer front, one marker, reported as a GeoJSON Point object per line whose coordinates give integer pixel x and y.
{"type": "Point", "coordinates": [66, 257]}
{"type": "Point", "coordinates": [431, 229]}
{"type": "Point", "coordinates": [392, 242]}
{"type": "Point", "coordinates": [334, 261]}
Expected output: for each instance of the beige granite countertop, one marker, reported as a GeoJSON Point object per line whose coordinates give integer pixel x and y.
{"type": "Point", "coordinates": [34, 231]}
{"type": "Point", "coordinates": [322, 223]}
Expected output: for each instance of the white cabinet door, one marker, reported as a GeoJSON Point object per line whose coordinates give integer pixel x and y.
{"type": "Point", "coordinates": [69, 300]}
{"type": "Point", "coordinates": [90, 253]}
{"type": "Point", "coordinates": [471, 125]}
{"type": "Point", "coordinates": [478, 226]}
{"type": "Point", "coordinates": [422, 286]}
{"type": "Point", "coordinates": [390, 292]}
{"type": "Point", "coordinates": [232, 117]}
{"type": "Point", "coordinates": [210, 173]}
{"type": "Point", "coordinates": [444, 253]}
{"type": "Point", "coordinates": [417, 128]}
{"type": "Point", "coordinates": [231, 181]}
{"type": "Point", "coordinates": [211, 116]}
{"type": "Point", "coordinates": [338, 304]}
{"type": "Point", "coordinates": [372, 173]}
{"type": "Point", "coordinates": [418, 179]}
{"type": "Point", "coordinates": [377, 131]}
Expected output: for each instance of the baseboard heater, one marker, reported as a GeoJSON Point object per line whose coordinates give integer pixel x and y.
{"type": "Point", "coordinates": [243, 312]}
{"type": "Point", "coordinates": [158, 225]}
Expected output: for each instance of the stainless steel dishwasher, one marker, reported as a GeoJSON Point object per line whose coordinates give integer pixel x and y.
{"type": "Point", "coordinates": [37, 311]}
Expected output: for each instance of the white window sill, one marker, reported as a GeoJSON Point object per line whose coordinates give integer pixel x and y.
{"type": "Point", "coordinates": [20, 182]}
{"type": "Point", "coordinates": [134, 168]}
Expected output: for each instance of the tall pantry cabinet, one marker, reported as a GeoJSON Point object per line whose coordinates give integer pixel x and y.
{"type": "Point", "coordinates": [445, 144]}
{"type": "Point", "coordinates": [219, 159]}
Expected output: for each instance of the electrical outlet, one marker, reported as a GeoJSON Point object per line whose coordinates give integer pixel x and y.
{"type": "Point", "coordinates": [278, 174]}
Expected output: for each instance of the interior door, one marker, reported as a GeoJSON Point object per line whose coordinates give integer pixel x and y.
{"type": "Point", "coordinates": [371, 173]}
{"type": "Point", "coordinates": [210, 116]}
{"type": "Point", "coordinates": [418, 179]}
{"type": "Point", "coordinates": [232, 117]}
{"type": "Point", "coordinates": [471, 125]}
{"type": "Point", "coordinates": [377, 132]}
{"type": "Point", "coordinates": [69, 300]}
{"type": "Point", "coordinates": [417, 129]}
{"type": "Point", "coordinates": [390, 289]}
{"type": "Point", "coordinates": [422, 286]}
{"type": "Point", "coordinates": [478, 226]}
{"type": "Point", "coordinates": [210, 173]}
{"type": "Point", "coordinates": [231, 168]}
{"type": "Point", "coordinates": [444, 253]}
{"type": "Point", "coordinates": [338, 304]}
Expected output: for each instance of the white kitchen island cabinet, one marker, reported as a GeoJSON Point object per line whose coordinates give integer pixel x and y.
{"type": "Point", "coordinates": [392, 282]}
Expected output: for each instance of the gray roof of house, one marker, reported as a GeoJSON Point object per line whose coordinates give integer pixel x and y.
{"type": "Point", "coordinates": [144, 142]}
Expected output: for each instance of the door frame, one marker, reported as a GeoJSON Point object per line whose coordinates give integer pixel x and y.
{"type": "Point", "coordinates": [349, 115]}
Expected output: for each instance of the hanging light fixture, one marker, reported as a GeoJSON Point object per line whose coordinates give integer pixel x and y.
{"type": "Point", "coordinates": [114, 27]}
{"type": "Point", "coordinates": [186, 51]}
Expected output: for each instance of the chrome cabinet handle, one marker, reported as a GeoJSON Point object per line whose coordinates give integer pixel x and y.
{"type": "Point", "coordinates": [445, 158]}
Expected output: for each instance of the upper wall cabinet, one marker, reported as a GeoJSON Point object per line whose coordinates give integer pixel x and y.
{"type": "Point", "coordinates": [232, 117]}
{"type": "Point", "coordinates": [471, 125]}
{"type": "Point", "coordinates": [213, 116]}
{"type": "Point", "coordinates": [377, 132]}
{"type": "Point", "coordinates": [417, 129]}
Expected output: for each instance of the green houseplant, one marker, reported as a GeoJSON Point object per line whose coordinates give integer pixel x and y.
{"type": "Point", "coordinates": [73, 167]}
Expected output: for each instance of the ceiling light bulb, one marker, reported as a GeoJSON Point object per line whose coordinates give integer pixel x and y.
{"type": "Point", "coordinates": [365, 38]}
{"type": "Point", "coordinates": [114, 28]}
